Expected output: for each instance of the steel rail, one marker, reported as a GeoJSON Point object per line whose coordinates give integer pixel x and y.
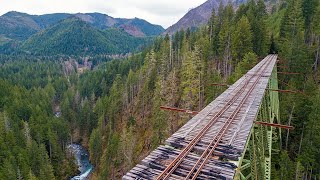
{"type": "Point", "coordinates": [222, 131]}
{"type": "Point", "coordinates": [211, 109]}
{"type": "Point", "coordinates": [203, 131]}
{"type": "Point", "coordinates": [177, 161]}
{"type": "Point", "coordinates": [196, 139]}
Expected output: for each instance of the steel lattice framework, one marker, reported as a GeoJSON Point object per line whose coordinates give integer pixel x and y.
{"type": "Point", "coordinates": [232, 138]}
{"type": "Point", "coordinates": [255, 163]}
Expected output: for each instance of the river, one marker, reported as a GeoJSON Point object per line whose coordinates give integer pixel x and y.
{"type": "Point", "coordinates": [82, 157]}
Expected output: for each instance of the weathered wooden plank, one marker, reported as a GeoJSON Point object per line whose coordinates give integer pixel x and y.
{"type": "Point", "coordinates": [231, 145]}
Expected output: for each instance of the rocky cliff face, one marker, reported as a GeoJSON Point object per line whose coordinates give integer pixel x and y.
{"type": "Point", "coordinates": [197, 16]}
{"type": "Point", "coordinates": [200, 15]}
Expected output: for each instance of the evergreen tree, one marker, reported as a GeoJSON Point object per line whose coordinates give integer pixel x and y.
{"type": "Point", "coordinates": [292, 36]}
{"type": "Point", "coordinates": [242, 39]}
{"type": "Point", "coordinates": [244, 66]}
{"type": "Point", "coordinates": [95, 146]}
{"type": "Point", "coordinates": [311, 142]}
{"type": "Point", "coordinates": [115, 101]}
{"type": "Point", "coordinates": [128, 141]}
{"type": "Point", "coordinates": [315, 25]}
{"type": "Point", "coordinates": [159, 117]}
{"type": "Point", "coordinates": [190, 78]}
{"type": "Point", "coordinates": [308, 9]}
{"type": "Point", "coordinates": [225, 41]}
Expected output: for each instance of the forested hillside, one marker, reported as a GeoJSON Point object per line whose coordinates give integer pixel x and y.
{"type": "Point", "coordinates": [178, 73]}
{"type": "Point", "coordinates": [114, 109]}
{"type": "Point", "coordinates": [76, 37]}
{"type": "Point", "coordinates": [20, 26]}
{"type": "Point", "coordinates": [73, 34]}
{"type": "Point", "coordinates": [33, 139]}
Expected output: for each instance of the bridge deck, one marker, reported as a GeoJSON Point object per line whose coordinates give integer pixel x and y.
{"type": "Point", "coordinates": [241, 101]}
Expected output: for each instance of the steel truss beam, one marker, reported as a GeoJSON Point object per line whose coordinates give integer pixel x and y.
{"type": "Point", "coordinates": [263, 139]}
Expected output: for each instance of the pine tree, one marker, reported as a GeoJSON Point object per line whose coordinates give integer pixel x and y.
{"type": "Point", "coordinates": [131, 82]}
{"type": "Point", "coordinates": [315, 25]}
{"type": "Point", "coordinates": [172, 97]}
{"type": "Point", "coordinates": [286, 167]}
{"type": "Point", "coordinates": [244, 66]}
{"type": "Point", "coordinates": [128, 141]}
{"type": "Point", "coordinates": [311, 143]}
{"type": "Point", "coordinates": [225, 41]}
{"type": "Point", "coordinates": [45, 168]}
{"type": "Point", "coordinates": [260, 30]}
{"type": "Point", "coordinates": [190, 78]}
{"type": "Point", "coordinates": [159, 124]}
{"type": "Point", "coordinates": [8, 170]}
{"type": "Point", "coordinates": [242, 39]}
{"type": "Point", "coordinates": [115, 100]}
{"type": "Point", "coordinates": [55, 154]}
{"type": "Point", "coordinates": [31, 176]}
{"type": "Point", "coordinates": [308, 9]}
{"type": "Point", "coordinates": [95, 146]}
{"type": "Point", "coordinates": [292, 40]}
{"type": "Point", "coordinates": [211, 25]}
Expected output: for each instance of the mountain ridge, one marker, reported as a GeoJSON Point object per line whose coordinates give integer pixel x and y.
{"type": "Point", "coordinates": [201, 14]}
{"type": "Point", "coordinates": [20, 26]}
{"type": "Point", "coordinates": [196, 17]}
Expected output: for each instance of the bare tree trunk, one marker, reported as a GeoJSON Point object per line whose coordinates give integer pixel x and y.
{"type": "Point", "coordinates": [199, 91]}
{"type": "Point", "coordinates": [310, 174]}
{"type": "Point", "coordinates": [229, 55]}
{"type": "Point", "coordinates": [290, 118]}
{"type": "Point", "coordinates": [211, 32]}
{"type": "Point", "coordinates": [170, 58]}
{"type": "Point", "coordinates": [301, 140]}
{"type": "Point", "coordinates": [317, 58]}
{"type": "Point", "coordinates": [307, 174]}
{"type": "Point", "coordinates": [50, 151]}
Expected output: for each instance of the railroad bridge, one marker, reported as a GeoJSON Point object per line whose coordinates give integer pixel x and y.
{"type": "Point", "coordinates": [231, 138]}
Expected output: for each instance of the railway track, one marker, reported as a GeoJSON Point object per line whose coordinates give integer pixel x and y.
{"type": "Point", "coordinates": [177, 161]}
{"type": "Point", "coordinates": [211, 136]}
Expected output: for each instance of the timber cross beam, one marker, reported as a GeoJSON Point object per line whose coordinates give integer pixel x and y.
{"type": "Point", "coordinates": [256, 122]}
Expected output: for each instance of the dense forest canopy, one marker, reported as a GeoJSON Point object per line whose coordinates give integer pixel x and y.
{"type": "Point", "coordinates": [113, 107]}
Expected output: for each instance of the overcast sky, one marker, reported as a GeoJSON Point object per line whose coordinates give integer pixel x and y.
{"type": "Point", "coordinates": [162, 12]}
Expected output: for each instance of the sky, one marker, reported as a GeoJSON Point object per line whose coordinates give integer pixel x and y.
{"type": "Point", "coordinates": [162, 12]}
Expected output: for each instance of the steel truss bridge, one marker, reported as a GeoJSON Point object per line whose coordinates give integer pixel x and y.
{"type": "Point", "coordinates": [231, 138]}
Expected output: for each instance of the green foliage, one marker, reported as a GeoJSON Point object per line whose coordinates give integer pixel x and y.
{"type": "Point", "coordinates": [20, 26]}
{"type": "Point", "coordinates": [116, 103]}
{"type": "Point", "coordinates": [293, 47]}
{"type": "Point", "coordinates": [309, 157]}
{"type": "Point", "coordinates": [75, 37]}
{"type": "Point", "coordinates": [286, 166]}
{"type": "Point", "coordinates": [242, 39]}
{"type": "Point", "coordinates": [244, 66]}
{"type": "Point", "coordinates": [32, 140]}
{"type": "Point", "coordinates": [274, 22]}
{"type": "Point", "coordinates": [190, 78]}
{"type": "Point", "coordinates": [95, 146]}
{"type": "Point", "coordinates": [159, 124]}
